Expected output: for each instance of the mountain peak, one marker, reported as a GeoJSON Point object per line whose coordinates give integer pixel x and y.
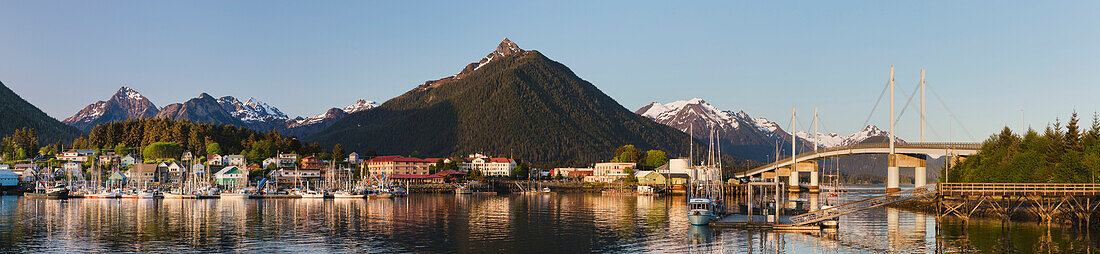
{"type": "Point", "coordinates": [128, 93]}
{"type": "Point", "coordinates": [507, 48]}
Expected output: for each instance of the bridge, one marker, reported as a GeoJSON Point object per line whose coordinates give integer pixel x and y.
{"type": "Point", "coordinates": [913, 155]}
{"type": "Point", "coordinates": [899, 154]}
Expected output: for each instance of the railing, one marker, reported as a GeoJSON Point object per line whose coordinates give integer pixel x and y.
{"type": "Point", "coordinates": [833, 212]}
{"type": "Point", "coordinates": [918, 145]}
{"type": "Point", "coordinates": [1020, 189]}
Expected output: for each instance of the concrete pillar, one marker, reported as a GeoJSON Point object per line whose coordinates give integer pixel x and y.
{"type": "Point", "coordinates": [893, 179]}
{"type": "Point", "coordinates": [814, 188]}
{"type": "Point", "coordinates": [793, 182]}
{"type": "Point", "coordinates": [920, 172]}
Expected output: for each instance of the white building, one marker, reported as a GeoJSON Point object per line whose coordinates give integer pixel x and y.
{"type": "Point", "coordinates": [235, 160]}
{"type": "Point", "coordinates": [215, 160]}
{"type": "Point", "coordinates": [606, 172]}
{"type": "Point", "coordinates": [75, 155]}
{"type": "Point", "coordinates": [498, 167]}
{"type": "Point", "coordinates": [72, 168]}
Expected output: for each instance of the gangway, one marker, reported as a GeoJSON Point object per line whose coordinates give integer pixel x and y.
{"type": "Point", "coordinates": [833, 212]}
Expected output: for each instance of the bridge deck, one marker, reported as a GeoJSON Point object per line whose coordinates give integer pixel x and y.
{"type": "Point", "coordinates": [871, 148]}
{"type": "Point", "coordinates": [1020, 189]}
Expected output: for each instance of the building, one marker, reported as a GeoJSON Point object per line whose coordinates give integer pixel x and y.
{"type": "Point", "coordinates": [353, 158]}
{"type": "Point", "coordinates": [235, 160]}
{"type": "Point", "coordinates": [492, 167]}
{"type": "Point", "coordinates": [606, 172]}
{"type": "Point", "coordinates": [198, 170]}
{"type": "Point", "coordinates": [215, 160]}
{"type": "Point", "coordinates": [116, 178]}
{"type": "Point", "coordinates": [253, 166]}
{"type": "Point", "coordinates": [417, 179]}
{"type": "Point", "coordinates": [231, 176]}
{"type": "Point", "coordinates": [579, 174]}
{"type": "Point", "coordinates": [310, 162]}
{"type": "Point", "coordinates": [72, 167]}
{"type": "Point", "coordinates": [649, 177]}
{"type": "Point", "coordinates": [107, 158]}
{"type": "Point", "coordinates": [290, 175]}
{"type": "Point", "coordinates": [75, 155]}
{"type": "Point", "coordinates": [172, 172]}
{"type": "Point", "coordinates": [128, 160]}
{"type": "Point", "coordinates": [286, 160]}
{"type": "Point", "coordinates": [8, 178]}
{"type": "Point", "coordinates": [144, 174]}
{"type": "Point", "coordinates": [564, 172]}
{"type": "Point", "coordinates": [675, 171]}
{"type": "Point", "coordinates": [396, 165]}
{"type": "Point", "coordinates": [272, 162]}
{"type": "Point", "coordinates": [187, 156]}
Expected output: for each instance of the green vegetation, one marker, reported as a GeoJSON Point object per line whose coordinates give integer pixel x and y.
{"type": "Point", "coordinates": [17, 114]}
{"type": "Point", "coordinates": [527, 106]}
{"type": "Point", "coordinates": [162, 151]}
{"type": "Point", "coordinates": [198, 138]}
{"type": "Point", "coordinates": [655, 158]}
{"type": "Point", "coordinates": [1058, 155]}
{"type": "Point", "coordinates": [521, 171]}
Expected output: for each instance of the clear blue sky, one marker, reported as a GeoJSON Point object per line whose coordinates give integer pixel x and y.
{"type": "Point", "coordinates": [988, 59]}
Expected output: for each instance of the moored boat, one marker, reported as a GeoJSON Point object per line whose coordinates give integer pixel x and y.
{"type": "Point", "coordinates": [51, 193]}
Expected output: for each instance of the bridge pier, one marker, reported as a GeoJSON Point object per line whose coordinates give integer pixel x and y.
{"type": "Point", "coordinates": [793, 182]}
{"type": "Point", "coordinates": [897, 161]}
{"type": "Point", "coordinates": [814, 185]}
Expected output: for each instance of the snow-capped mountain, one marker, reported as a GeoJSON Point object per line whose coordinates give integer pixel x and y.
{"type": "Point", "coordinates": [835, 140]}
{"type": "Point", "coordinates": [740, 135]}
{"type": "Point", "coordinates": [359, 105]}
{"type": "Point", "coordinates": [125, 104]}
{"type": "Point", "coordinates": [308, 125]}
{"type": "Point", "coordinates": [251, 111]}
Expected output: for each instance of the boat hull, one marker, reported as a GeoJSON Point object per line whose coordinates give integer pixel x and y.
{"type": "Point", "coordinates": [50, 195]}
{"type": "Point", "coordinates": [700, 218]}
{"type": "Point", "coordinates": [233, 196]}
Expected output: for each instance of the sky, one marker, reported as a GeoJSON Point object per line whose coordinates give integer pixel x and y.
{"type": "Point", "coordinates": [993, 63]}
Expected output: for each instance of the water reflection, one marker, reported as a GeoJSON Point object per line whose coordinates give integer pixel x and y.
{"type": "Point", "coordinates": [569, 223]}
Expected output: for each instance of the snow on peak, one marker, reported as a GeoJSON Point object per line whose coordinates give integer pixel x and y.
{"type": "Point", "coordinates": [251, 111]}
{"type": "Point", "coordinates": [125, 93]}
{"type": "Point", "coordinates": [680, 111]}
{"type": "Point", "coordinates": [835, 140]}
{"type": "Point", "coordinates": [359, 105]}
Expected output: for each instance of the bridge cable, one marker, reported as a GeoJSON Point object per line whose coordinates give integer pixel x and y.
{"type": "Point", "coordinates": [877, 101]}
{"type": "Point", "coordinates": [952, 114]}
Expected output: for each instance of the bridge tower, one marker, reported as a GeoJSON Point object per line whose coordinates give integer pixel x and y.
{"type": "Point", "coordinates": [793, 179]}
{"type": "Point", "coordinates": [892, 177]}
{"type": "Point", "coordinates": [920, 173]}
{"type": "Point", "coordinates": [814, 186]}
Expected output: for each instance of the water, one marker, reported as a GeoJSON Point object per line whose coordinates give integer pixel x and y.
{"type": "Point", "coordinates": [562, 223]}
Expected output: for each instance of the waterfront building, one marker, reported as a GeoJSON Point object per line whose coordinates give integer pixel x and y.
{"type": "Point", "coordinates": [606, 172]}
{"type": "Point", "coordinates": [564, 172]}
{"type": "Point", "coordinates": [287, 160]}
{"type": "Point", "coordinates": [416, 179]}
{"type": "Point", "coordinates": [198, 169]}
{"type": "Point", "coordinates": [675, 171]}
{"type": "Point", "coordinates": [8, 178]}
{"type": "Point", "coordinates": [75, 155]}
{"type": "Point", "coordinates": [171, 172]}
{"type": "Point", "coordinates": [116, 178]}
{"type": "Point", "coordinates": [396, 165]}
{"type": "Point", "coordinates": [492, 167]}
{"type": "Point", "coordinates": [230, 176]}
{"type": "Point", "coordinates": [649, 177]}
{"type": "Point", "coordinates": [144, 174]}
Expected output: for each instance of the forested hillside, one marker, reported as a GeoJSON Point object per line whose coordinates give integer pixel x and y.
{"type": "Point", "coordinates": [1058, 155]}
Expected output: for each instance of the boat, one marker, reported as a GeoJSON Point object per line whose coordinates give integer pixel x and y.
{"type": "Point", "coordinates": [170, 195]}
{"type": "Point", "coordinates": [50, 193]}
{"type": "Point", "coordinates": [646, 190]}
{"type": "Point", "coordinates": [310, 194]}
{"type": "Point", "coordinates": [347, 194]}
{"type": "Point", "coordinates": [464, 189]}
{"type": "Point", "coordinates": [233, 195]}
{"type": "Point", "coordinates": [380, 194]}
{"type": "Point", "coordinates": [116, 193]}
{"type": "Point", "coordinates": [705, 193]}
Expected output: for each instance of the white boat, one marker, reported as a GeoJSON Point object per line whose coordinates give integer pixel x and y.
{"type": "Point", "coordinates": [646, 190]}
{"type": "Point", "coordinates": [700, 211]}
{"type": "Point", "coordinates": [105, 194]}
{"type": "Point", "coordinates": [310, 194]}
{"type": "Point", "coordinates": [346, 194]}
{"type": "Point", "coordinates": [233, 195]}
{"type": "Point", "coordinates": [464, 189]}
{"type": "Point", "coordinates": [169, 195]}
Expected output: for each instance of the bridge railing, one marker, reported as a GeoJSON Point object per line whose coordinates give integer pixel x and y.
{"type": "Point", "coordinates": [1021, 189]}
{"type": "Point", "coordinates": [923, 145]}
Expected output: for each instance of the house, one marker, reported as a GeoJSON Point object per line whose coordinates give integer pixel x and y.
{"type": "Point", "coordinates": [172, 172]}
{"type": "Point", "coordinates": [72, 167]}
{"type": "Point", "coordinates": [253, 166]}
{"type": "Point", "coordinates": [579, 174]}
{"type": "Point", "coordinates": [606, 172]}
{"type": "Point", "coordinates": [230, 176]}
{"type": "Point", "coordinates": [116, 178]}
{"type": "Point", "coordinates": [26, 172]}
{"type": "Point", "coordinates": [272, 162]}
{"type": "Point", "coordinates": [144, 174]}
{"type": "Point", "coordinates": [8, 178]}
{"type": "Point", "coordinates": [495, 167]}
{"type": "Point", "coordinates": [286, 160]}
{"type": "Point", "coordinates": [107, 158]}
{"type": "Point", "coordinates": [649, 177]}
{"type": "Point", "coordinates": [235, 160]}
{"type": "Point", "coordinates": [128, 160]}
{"type": "Point", "coordinates": [75, 155]}
{"type": "Point", "coordinates": [396, 165]}
{"type": "Point", "coordinates": [675, 171]}
{"type": "Point", "coordinates": [353, 158]}
{"type": "Point", "coordinates": [198, 170]}
{"type": "Point", "coordinates": [564, 172]}
{"type": "Point", "coordinates": [290, 175]}
{"type": "Point", "coordinates": [215, 160]}
{"type": "Point", "coordinates": [311, 162]}
{"type": "Point", "coordinates": [187, 156]}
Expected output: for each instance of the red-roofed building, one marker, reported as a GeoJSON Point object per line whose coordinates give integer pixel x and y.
{"type": "Point", "coordinates": [310, 162]}
{"type": "Point", "coordinates": [396, 165]}
{"type": "Point", "coordinates": [496, 167]}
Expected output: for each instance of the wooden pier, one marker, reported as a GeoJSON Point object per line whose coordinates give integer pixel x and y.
{"type": "Point", "coordinates": [1045, 201]}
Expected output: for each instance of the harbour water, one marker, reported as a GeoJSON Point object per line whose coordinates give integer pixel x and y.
{"type": "Point", "coordinates": [559, 223]}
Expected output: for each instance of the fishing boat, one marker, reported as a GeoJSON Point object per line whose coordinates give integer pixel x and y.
{"type": "Point", "coordinates": [233, 195]}
{"type": "Point", "coordinates": [464, 189]}
{"type": "Point", "coordinates": [59, 192]}
{"type": "Point", "coordinates": [309, 194]}
{"type": "Point", "coordinates": [114, 193]}
{"type": "Point", "coordinates": [705, 193]}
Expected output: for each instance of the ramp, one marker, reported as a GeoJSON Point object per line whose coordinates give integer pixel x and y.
{"type": "Point", "coordinates": [833, 212]}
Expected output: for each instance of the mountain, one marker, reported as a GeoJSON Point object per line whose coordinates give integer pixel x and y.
{"type": "Point", "coordinates": [739, 134]}
{"type": "Point", "coordinates": [305, 126]}
{"type": "Point", "coordinates": [251, 111]}
{"type": "Point", "coordinates": [202, 109]}
{"type": "Point", "coordinates": [16, 113]}
{"type": "Point", "coordinates": [124, 104]}
{"type": "Point", "coordinates": [869, 134]}
{"type": "Point", "coordinates": [512, 102]}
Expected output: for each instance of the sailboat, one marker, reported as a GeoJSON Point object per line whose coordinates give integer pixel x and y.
{"type": "Point", "coordinates": [705, 192]}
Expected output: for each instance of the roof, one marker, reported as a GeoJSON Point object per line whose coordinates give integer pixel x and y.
{"type": "Point", "coordinates": [143, 168]}
{"type": "Point", "coordinates": [5, 172]}
{"type": "Point", "coordinates": [229, 170]}
{"type": "Point", "coordinates": [235, 156]}
{"type": "Point", "coordinates": [82, 151]}
{"type": "Point", "coordinates": [500, 160]}
{"type": "Point", "coordinates": [25, 166]}
{"type": "Point", "coordinates": [450, 172]}
{"type": "Point", "coordinates": [115, 175]}
{"type": "Point", "coordinates": [414, 176]}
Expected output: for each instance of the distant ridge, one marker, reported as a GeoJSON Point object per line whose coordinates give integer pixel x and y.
{"type": "Point", "coordinates": [16, 113]}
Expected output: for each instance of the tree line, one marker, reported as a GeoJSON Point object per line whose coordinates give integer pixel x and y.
{"type": "Point", "coordinates": [1061, 154]}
